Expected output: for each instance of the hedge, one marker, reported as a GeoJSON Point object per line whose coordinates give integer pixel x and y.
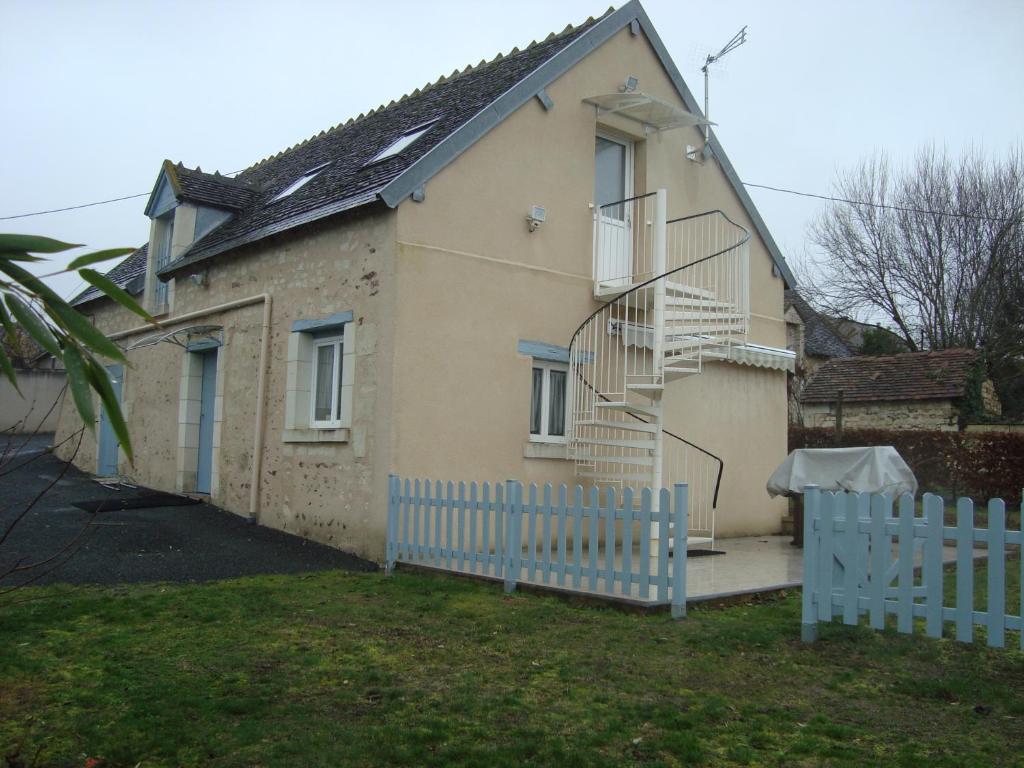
{"type": "Point", "coordinates": [982, 465]}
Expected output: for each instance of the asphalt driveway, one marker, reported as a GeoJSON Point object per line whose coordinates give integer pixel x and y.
{"type": "Point", "coordinates": [178, 543]}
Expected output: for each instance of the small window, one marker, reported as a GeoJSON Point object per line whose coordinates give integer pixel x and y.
{"type": "Point", "coordinates": [328, 357]}
{"type": "Point", "coordinates": [398, 146]}
{"type": "Point", "coordinates": [548, 401]}
{"type": "Point", "coordinates": [299, 183]}
{"type": "Point", "coordinates": [162, 257]}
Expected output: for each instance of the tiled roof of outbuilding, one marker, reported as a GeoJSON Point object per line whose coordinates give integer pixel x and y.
{"type": "Point", "coordinates": [909, 376]}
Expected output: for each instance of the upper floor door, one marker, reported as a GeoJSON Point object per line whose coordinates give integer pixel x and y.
{"type": "Point", "coordinates": [613, 185]}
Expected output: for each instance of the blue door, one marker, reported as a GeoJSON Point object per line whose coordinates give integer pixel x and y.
{"type": "Point", "coordinates": [106, 460]}
{"type": "Point", "coordinates": [204, 467]}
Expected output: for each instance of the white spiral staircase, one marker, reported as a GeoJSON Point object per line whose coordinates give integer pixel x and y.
{"type": "Point", "coordinates": [676, 294]}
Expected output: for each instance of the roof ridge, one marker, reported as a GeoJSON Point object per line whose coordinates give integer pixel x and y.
{"type": "Point", "coordinates": [456, 74]}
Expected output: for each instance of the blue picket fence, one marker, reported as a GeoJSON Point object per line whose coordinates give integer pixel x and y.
{"type": "Point", "coordinates": [862, 558]}
{"type": "Point", "coordinates": [609, 542]}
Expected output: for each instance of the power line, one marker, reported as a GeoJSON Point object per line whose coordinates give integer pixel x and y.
{"type": "Point", "coordinates": [903, 208]}
{"type": "Point", "coordinates": [85, 205]}
{"type": "Point", "coordinates": [73, 207]}
{"type": "Point", "coordinates": [829, 198]}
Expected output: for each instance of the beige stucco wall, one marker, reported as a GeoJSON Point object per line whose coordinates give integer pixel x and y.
{"type": "Point", "coordinates": [899, 414]}
{"type": "Point", "coordinates": [330, 492]}
{"type": "Point", "coordinates": [32, 409]}
{"type": "Point", "coordinates": [473, 281]}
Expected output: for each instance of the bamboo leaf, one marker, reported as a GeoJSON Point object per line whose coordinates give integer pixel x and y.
{"type": "Point", "coordinates": [33, 244]}
{"type": "Point", "coordinates": [5, 363]}
{"type": "Point", "coordinates": [32, 324]}
{"type": "Point", "coordinates": [5, 320]}
{"type": "Point", "coordinates": [101, 383]}
{"type": "Point", "coordinates": [78, 380]}
{"type": "Point", "coordinates": [115, 292]}
{"type": "Point", "coordinates": [85, 332]}
{"type": "Point", "coordinates": [20, 256]}
{"type": "Point", "coordinates": [98, 256]}
{"type": "Point", "coordinates": [29, 281]}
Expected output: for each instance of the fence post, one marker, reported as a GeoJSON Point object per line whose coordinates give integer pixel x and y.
{"type": "Point", "coordinates": [682, 525]}
{"type": "Point", "coordinates": [513, 545]}
{"type": "Point", "coordinates": [809, 618]}
{"type": "Point", "coordinates": [392, 535]}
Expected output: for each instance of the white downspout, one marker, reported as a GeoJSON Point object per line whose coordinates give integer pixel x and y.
{"type": "Point", "coordinates": [261, 376]}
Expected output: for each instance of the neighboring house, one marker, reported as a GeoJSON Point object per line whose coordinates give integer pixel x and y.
{"type": "Point", "coordinates": [913, 390]}
{"type": "Point", "coordinates": [810, 335]}
{"type": "Point", "coordinates": [399, 295]}
{"type": "Point", "coordinates": [867, 338]}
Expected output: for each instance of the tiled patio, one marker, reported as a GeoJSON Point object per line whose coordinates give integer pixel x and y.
{"type": "Point", "coordinates": [750, 564]}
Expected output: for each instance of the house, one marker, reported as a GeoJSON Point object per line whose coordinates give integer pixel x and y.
{"type": "Point", "coordinates": [810, 334]}
{"type": "Point", "coordinates": [814, 341]}
{"type": "Point", "coordinates": [913, 390]}
{"type": "Point", "coordinates": [533, 268]}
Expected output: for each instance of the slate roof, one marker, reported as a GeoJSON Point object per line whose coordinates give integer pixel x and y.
{"type": "Point", "coordinates": [459, 108]}
{"type": "Point", "coordinates": [212, 188]}
{"type": "Point", "coordinates": [348, 181]}
{"type": "Point", "coordinates": [133, 266]}
{"type": "Point", "coordinates": [909, 376]}
{"type": "Point", "coordinates": [819, 339]}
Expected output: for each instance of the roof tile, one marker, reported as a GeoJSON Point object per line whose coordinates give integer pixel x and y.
{"type": "Point", "coordinates": [909, 376]}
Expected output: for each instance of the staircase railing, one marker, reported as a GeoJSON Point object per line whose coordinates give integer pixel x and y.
{"type": "Point", "coordinates": [684, 290]}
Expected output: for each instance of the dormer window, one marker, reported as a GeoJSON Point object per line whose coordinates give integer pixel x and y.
{"type": "Point", "coordinates": [163, 234]}
{"type": "Point", "coordinates": [401, 143]}
{"type": "Point", "coordinates": [299, 183]}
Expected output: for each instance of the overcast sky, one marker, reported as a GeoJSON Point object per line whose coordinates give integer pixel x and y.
{"type": "Point", "coordinates": [96, 94]}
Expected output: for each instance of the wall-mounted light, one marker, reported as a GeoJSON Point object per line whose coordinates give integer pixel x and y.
{"type": "Point", "coordinates": [199, 278]}
{"type": "Point", "coordinates": [630, 85]}
{"type": "Point", "coordinates": [536, 217]}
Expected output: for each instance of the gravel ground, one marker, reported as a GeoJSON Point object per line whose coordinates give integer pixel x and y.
{"type": "Point", "coordinates": [183, 543]}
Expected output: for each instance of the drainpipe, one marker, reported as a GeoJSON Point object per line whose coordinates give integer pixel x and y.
{"type": "Point", "coordinates": [261, 390]}
{"type": "Point", "coordinates": [261, 376]}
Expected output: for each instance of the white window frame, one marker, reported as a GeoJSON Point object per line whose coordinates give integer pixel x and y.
{"type": "Point", "coordinates": [545, 409]}
{"type": "Point", "coordinates": [300, 392]}
{"type": "Point", "coordinates": [338, 343]}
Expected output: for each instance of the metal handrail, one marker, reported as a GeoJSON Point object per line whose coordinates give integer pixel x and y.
{"type": "Point", "coordinates": [636, 288]}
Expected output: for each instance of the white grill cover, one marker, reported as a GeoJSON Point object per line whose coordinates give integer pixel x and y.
{"type": "Point", "coordinates": [879, 469]}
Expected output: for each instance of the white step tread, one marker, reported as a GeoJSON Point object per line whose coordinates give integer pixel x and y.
{"type": "Point", "coordinates": [615, 477]}
{"type": "Point", "coordinates": [631, 426]}
{"type": "Point", "coordinates": [647, 445]}
{"type": "Point", "coordinates": [672, 314]}
{"type": "Point", "coordinates": [626, 461]}
{"type": "Point", "coordinates": [631, 408]}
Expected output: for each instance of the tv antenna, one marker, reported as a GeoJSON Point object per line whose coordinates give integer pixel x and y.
{"type": "Point", "coordinates": [737, 40]}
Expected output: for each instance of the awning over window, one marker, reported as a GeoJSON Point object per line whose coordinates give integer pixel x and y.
{"type": "Point", "coordinates": [194, 338]}
{"type": "Point", "coordinates": [646, 109]}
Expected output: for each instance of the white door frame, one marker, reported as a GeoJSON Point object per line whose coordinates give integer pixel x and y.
{"type": "Point", "coordinates": [614, 237]}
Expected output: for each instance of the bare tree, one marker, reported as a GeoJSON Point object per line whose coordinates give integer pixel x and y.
{"type": "Point", "coordinates": [936, 249]}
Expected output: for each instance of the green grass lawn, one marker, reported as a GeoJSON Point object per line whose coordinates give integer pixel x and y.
{"type": "Point", "coordinates": [341, 669]}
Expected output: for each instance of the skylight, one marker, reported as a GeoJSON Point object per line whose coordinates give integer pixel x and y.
{"type": "Point", "coordinates": [399, 145]}
{"type": "Point", "coordinates": [299, 183]}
